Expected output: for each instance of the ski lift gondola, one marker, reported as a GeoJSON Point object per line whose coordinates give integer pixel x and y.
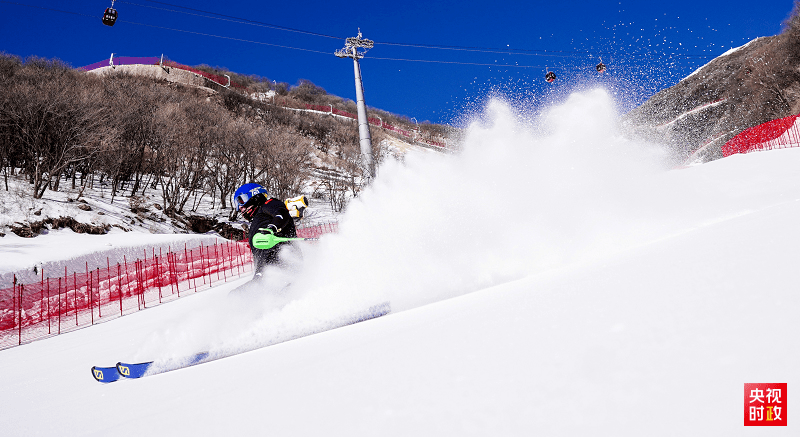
{"type": "Point", "coordinates": [550, 77]}
{"type": "Point", "coordinates": [110, 16]}
{"type": "Point", "coordinates": [601, 67]}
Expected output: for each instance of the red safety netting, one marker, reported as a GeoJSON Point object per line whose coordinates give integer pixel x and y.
{"type": "Point", "coordinates": [130, 60]}
{"type": "Point", "coordinates": [776, 134]}
{"type": "Point", "coordinates": [78, 299]}
{"type": "Point", "coordinates": [221, 80]}
{"type": "Point", "coordinates": [317, 230]}
{"type": "Point", "coordinates": [373, 121]}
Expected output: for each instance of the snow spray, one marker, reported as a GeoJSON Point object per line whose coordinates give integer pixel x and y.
{"type": "Point", "coordinates": [520, 198]}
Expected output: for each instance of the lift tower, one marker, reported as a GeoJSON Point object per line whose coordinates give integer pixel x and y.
{"type": "Point", "coordinates": [351, 50]}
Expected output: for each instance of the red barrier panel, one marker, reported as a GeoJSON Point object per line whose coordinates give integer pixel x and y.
{"type": "Point", "coordinates": [775, 134]}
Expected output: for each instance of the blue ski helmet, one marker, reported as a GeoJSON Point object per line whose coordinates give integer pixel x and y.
{"type": "Point", "coordinates": [247, 192]}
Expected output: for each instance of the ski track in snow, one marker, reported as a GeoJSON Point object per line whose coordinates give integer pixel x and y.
{"type": "Point", "coordinates": [692, 111]}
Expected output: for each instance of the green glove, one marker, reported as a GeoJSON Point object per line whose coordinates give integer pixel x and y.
{"type": "Point", "coordinates": [266, 239]}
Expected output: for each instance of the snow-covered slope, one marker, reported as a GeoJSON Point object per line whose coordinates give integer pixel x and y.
{"type": "Point", "coordinates": [605, 295]}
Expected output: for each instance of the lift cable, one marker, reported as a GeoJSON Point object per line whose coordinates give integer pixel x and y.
{"type": "Point", "coordinates": [228, 18]}
{"type": "Point", "coordinates": [49, 9]}
{"type": "Point", "coordinates": [228, 38]}
{"type": "Point", "coordinates": [476, 49]}
{"type": "Point", "coordinates": [261, 42]}
{"type": "Point", "coordinates": [453, 62]}
{"type": "Point", "coordinates": [529, 52]}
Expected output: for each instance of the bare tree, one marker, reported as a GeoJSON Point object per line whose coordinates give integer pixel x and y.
{"type": "Point", "coordinates": [188, 134]}
{"type": "Point", "coordinates": [56, 117]}
{"type": "Point", "coordinates": [288, 165]}
{"type": "Point", "coordinates": [226, 164]}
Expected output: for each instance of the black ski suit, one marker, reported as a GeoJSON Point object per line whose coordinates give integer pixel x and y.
{"type": "Point", "coordinates": [271, 212]}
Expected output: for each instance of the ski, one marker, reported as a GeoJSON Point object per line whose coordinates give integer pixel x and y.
{"type": "Point", "coordinates": [105, 374]}
{"type": "Point", "coordinates": [143, 369]}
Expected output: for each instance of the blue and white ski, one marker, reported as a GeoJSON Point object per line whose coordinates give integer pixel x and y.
{"type": "Point", "coordinates": [105, 374]}
{"type": "Point", "coordinates": [143, 369]}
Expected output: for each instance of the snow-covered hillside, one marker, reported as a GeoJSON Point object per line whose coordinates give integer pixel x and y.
{"type": "Point", "coordinates": [549, 280]}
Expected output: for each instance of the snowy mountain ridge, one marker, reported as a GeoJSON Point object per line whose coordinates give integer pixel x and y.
{"type": "Point", "coordinates": [750, 85]}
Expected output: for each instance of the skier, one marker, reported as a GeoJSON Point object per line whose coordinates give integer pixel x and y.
{"type": "Point", "coordinates": [267, 216]}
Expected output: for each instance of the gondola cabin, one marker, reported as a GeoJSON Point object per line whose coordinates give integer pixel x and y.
{"type": "Point", "coordinates": [110, 17]}
{"type": "Point", "coordinates": [601, 67]}
{"type": "Point", "coordinates": [550, 77]}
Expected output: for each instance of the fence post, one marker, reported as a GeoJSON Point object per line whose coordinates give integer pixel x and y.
{"type": "Point", "coordinates": [216, 260]}
{"type": "Point", "coordinates": [186, 257]}
{"type": "Point", "coordinates": [59, 305]}
{"type": "Point", "coordinates": [41, 300]}
{"type": "Point", "coordinates": [108, 270]}
{"type": "Point", "coordinates": [21, 286]}
{"type": "Point", "coordinates": [173, 281]}
{"type": "Point", "coordinates": [14, 300]}
{"type": "Point", "coordinates": [158, 277]}
{"type": "Point", "coordinates": [158, 272]}
{"type": "Point", "coordinates": [128, 279]}
{"type": "Point", "coordinates": [75, 295]}
{"type": "Point", "coordinates": [202, 266]}
{"type": "Point", "coordinates": [173, 275]}
{"type": "Point", "coordinates": [224, 272]}
{"type": "Point", "coordinates": [143, 283]}
{"type": "Point", "coordinates": [137, 278]}
{"type": "Point", "coordinates": [99, 296]}
{"type": "Point", "coordinates": [191, 255]}
{"type": "Point", "coordinates": [144, 274]}
{"type": "Point", "coordinates": [177, 273]}
{"type": "Point", "coordinates": [237, 247]}
{"type": "Point", "coordinates": [203, 262]}
{"type": "Point", "coordinates": [119, 288]}
{"type": "Point", "coordinates": [89, 290]}
{"type": "Point", "coordinates": [169, 271]}
{"type": "Point", "coordinates": [89, 306]}
{"type": "Point", "coordinates": [66, 297]}
{"type": "Point", "coordinates": [208, 263]}
{"type": "Point", "coordinates": [48, 306]}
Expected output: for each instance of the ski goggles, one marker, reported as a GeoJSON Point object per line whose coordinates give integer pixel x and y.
{"type": "Point", "coordinates": [242, 199]}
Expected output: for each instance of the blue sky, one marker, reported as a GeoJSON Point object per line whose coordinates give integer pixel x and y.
{"type": "Point", "coordinates": [647, 46]}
